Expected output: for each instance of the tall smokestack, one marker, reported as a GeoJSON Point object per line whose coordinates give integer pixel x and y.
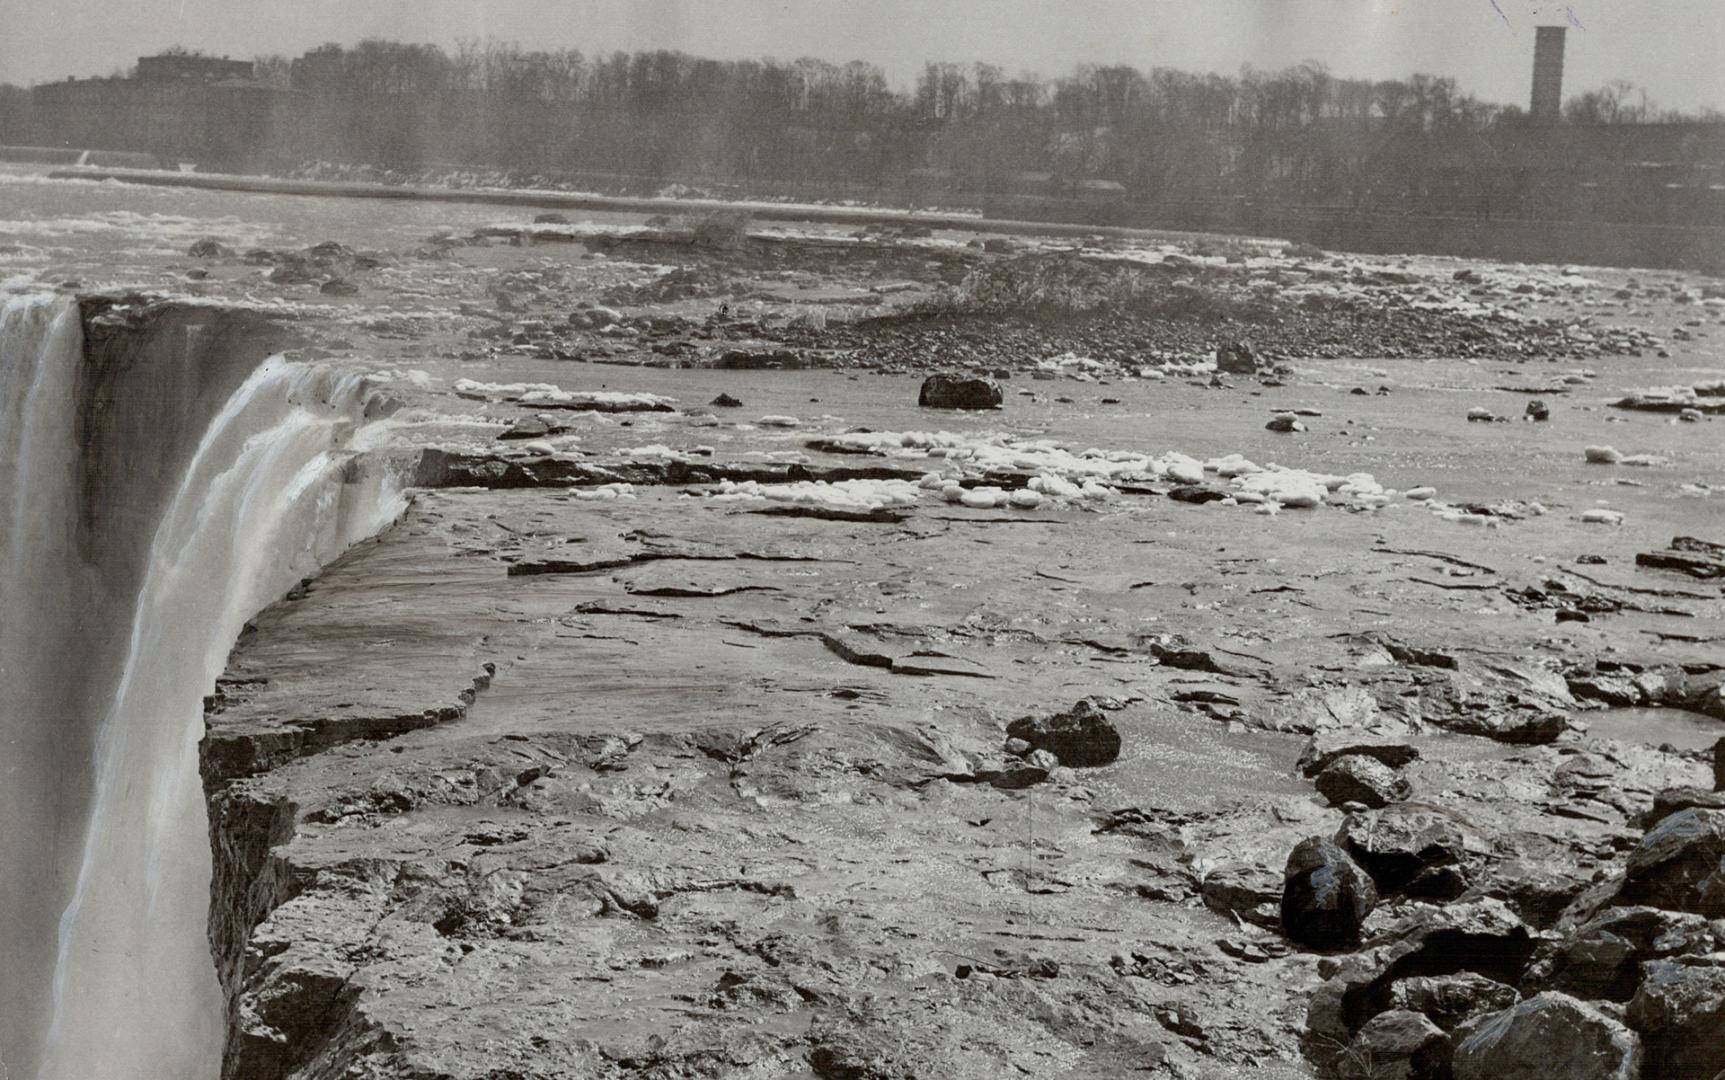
{"type": "Point", "coordinates": [1547, 74]}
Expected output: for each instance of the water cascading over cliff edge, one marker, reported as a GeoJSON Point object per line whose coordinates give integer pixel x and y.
{"type": "Point", "coordinates": [164, 473]}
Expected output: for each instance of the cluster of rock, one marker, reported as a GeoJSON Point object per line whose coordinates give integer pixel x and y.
{"type": "Point", "coordinates": [330, 266]}
{"type": "Point", "coordinates": [1627, 983]}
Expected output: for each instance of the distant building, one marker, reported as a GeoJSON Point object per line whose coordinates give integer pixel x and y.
{"type": "Point", "coordinates": [177, 107]}
{"type": "Point", "coordinates": [1546, 106]}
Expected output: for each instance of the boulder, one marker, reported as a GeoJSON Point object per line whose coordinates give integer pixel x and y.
{"type": "Point", "coordinates": [1679, 865]}
{"type": "Point", "coordinates": [1285, 423]}
{"type": "Point", "coordinates": [1360, 778]}
{"type": "Point", "coordinates": [1452, 1000]}
{"type": "Point", "coordinates": [1602, 958]}
{"type": "Point", "coordinates": [209, 247]}
{"type": "Point", "coordinates": [1549, 1035]}
{"type": "Point", "coordinates": [726, 401]}
{"type": "Point", "coordinates": [1538, 411]}
{"type": "Point", "coordinates": [1668, 801]}
{"type": "Point", "coordinates": [338, 287]}
{"type": "Point", "coordinates": [1081, 736]}
{"type": "Point", "coordinates": [1249, 891]}
{"type": "Point", "coordinates": [959, 392]}
{"type": "Point", "coordinates": [1325, 896]}
{"type": "Point", "coordinates": [1399, 844]}
{"type": "Point", "coordinates": [1680, 1012]}
{"type": "Point", "coordinates": [1236, 358]}
{"type": "Point", "coordinates": [1396, 1045]}
{"type": "Point", "coordinates": [1327, 746]}
{"type": "Point", "coordinates": [1719, 765]}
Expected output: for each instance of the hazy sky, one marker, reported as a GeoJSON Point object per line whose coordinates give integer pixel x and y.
{"type": "Point", "coordinates": [1673, 48]}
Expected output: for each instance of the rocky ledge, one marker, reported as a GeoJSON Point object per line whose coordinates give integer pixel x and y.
{"type": "Point", "coordinates": [542, 786]}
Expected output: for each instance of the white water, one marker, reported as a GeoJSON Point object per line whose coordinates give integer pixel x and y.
{"type": "Point", "coordinates": [43, 746]}
{"type": "Point", "coordinates": [271, 493]}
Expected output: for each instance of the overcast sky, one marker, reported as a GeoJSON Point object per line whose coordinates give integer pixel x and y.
{"type": "Point", "coordinates": [1673, 48]}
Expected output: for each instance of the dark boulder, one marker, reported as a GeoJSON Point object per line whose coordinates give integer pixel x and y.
{"type": "Point", "coordinates": [1249, 891]}
{"type": "Point", "coordinates": [1538, 411]}
{"type": "Point", "coordinates": [1547, 1036]}
{"type": "Point", "coordinates": [1327, 746]}
{"type": "Point", "coordinates": [1399, 844]}
{"type": "Point", "coordinates": [1397, 1045]}
{"type": "Point", "coordinates": [958, 392]}
{"type": "Point", "coordinates": [1236, 358]}
{"type": "Point", "coordinates": [338, 287]}
{"type": "Point", "coordinates": [209, 248]}
{"type": "Point", "coordinates": [1668, 801]}
{"type": "Point", "coordinates": [1603, 957]}
{"type": "Point", "coordinates": [1680, 865]}
{"type": "Point", "coordinates": [1326, 896]}
{"type": "Point", "coordinates": [1680, 1012]}
{"type": "Point", "coordinates": [1359, 778]}
{"type": "Point", "coordinates": [726, 401]}
{"type": "Point", "coordinates": [1452, 1000]}
{"type": "Point", "coordinates": [1081, 736]}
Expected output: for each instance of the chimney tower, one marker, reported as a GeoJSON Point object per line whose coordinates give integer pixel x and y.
{"type": "Point", "coordinates": [1547, 106]}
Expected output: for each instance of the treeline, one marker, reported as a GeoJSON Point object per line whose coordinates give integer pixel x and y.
{"type": "Point", "coordinates": [1300, 134]}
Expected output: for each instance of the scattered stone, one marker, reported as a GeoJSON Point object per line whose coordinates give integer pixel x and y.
{"type": "Point", "coordinates": [958, 392]}
{"type": "Point", "coordinates": [1603, 455]}
{"type": "Point", "coordinates": [1285, 423]}
{"type": "Point", "coordinates": [1698, 558]}
{"type": "Point", "coordinates": [1601, 517]}
{"type": "Point", "coordinates": [1479, 414]}
{"type": "Point", "coordinates": [726, 401]}
{"type": "Point", "coordinates": [1363, 779]}
{"type": "Point", "coordinates": [338, 287]}
{"type": "Point", "coordinates": [1546, 1036]}
{"type": "Point", "coordinates": [1326, 896]}
{"type": "Point", "coordinates": [1080, 737]}
{"type": "Point", "coordinates": [1195, 494]}
{"type": "Point", "coordinates": [1538, 411]}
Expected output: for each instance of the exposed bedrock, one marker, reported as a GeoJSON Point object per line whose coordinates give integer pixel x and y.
{"type": "Point", "coordinates": [543, 786]}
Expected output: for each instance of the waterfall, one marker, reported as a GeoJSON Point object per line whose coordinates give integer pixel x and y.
{"type": "Point", "coordinates": [45, 679]}
{"type": "Point", "coordinates": [272, 491]}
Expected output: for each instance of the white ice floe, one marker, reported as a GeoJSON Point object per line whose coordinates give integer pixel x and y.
{"type": "Point", "coordinates": [839, 495]}
{"type": "Point", "coordinates": [551, 394]}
